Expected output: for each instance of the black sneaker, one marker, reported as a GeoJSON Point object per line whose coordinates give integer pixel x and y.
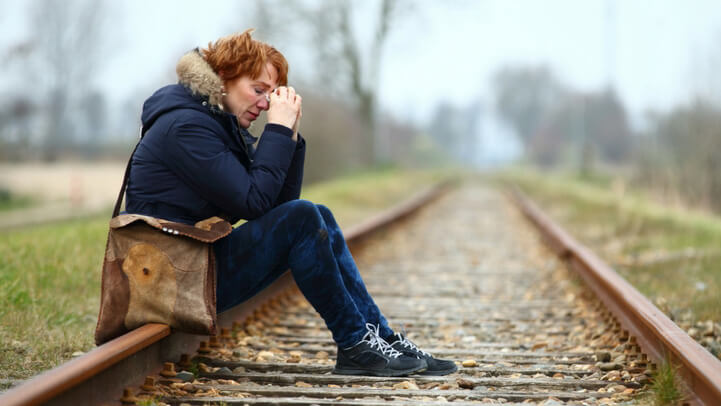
{"type": "Point", "coordinates": [435, 366]}
{"type": "Point", "coordinates": [374, 356]}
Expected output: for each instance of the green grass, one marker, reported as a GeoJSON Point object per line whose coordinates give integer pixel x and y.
{"type": "Point", "coordinates": [50, 274]}
{"type": "Point", "coordinates": [355, 197]}
{"type": "Point", "coordinates": [9, 201]}
{"type": "Point", "coordinates": [151, 401]}
{"type": "Point", "coordinates": [670, 254]}
{"type": "Point", "coordinates": [49, 294]}
{"type": "Point", "coordinates": [666, 386]}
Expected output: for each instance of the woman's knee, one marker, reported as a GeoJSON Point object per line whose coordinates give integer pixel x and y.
{"type": "Point", "coordinates": [325, 213]}
{"type": "Point", "coordinates": [301, 209]}
{"type": "Point", "coordinates": [304, 218]}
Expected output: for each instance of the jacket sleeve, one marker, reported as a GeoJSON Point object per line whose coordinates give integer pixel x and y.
{"type": "Point", "coordinates": [195, 152]}
{"type": "Point", "coordinates": [294, 178]}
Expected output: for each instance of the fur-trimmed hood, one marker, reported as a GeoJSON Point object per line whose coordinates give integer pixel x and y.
{"type": "Point", "coordinates": [196, 74]}
{"type": "Point", "coordinates": [198, 88]}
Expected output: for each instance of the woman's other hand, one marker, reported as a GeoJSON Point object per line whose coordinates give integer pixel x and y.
{"type": "Point", "coordinates": [297, 122]}
{"type": "Point", "coordinates": [285, 108]}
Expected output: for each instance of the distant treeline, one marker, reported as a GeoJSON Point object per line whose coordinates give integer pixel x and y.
{"type": "Point", "coordinates": [677, 155]}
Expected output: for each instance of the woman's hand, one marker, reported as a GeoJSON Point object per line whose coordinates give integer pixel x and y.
{"type": "Point", "coordinates": [297, 123]}
{"type": "Point", "coordinates": [285, 108]}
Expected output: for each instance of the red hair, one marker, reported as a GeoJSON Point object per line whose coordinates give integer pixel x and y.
{"type": "Point", "coordinates": [239, 55]}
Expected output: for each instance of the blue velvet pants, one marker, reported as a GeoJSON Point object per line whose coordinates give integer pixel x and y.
{"type": "Point", "coordinates": [304, 237]}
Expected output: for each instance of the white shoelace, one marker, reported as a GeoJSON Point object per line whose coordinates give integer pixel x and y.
{"type": "Point", "coordinates": [408, 344]}
{"type": "Point", "coordinates": [376, 341]}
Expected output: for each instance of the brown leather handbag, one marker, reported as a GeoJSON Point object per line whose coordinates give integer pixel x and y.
{"type": "Point", "coordinates": [158, 271]}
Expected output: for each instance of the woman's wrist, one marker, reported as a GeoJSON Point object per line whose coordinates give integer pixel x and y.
{"type": "Point", "coordinates": [280, 129]}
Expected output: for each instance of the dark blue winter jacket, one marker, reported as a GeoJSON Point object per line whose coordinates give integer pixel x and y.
{"type": "Point", "coordinates": [193, 162]}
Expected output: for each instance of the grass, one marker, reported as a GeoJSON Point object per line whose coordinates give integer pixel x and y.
{"type": "Point", "coordinates": [49, 294]}
{"type": "Point", "coordinates": [666, 386]}
{"type": "Point", "coordinates": [355, 197]}
{"type": "Point", "coordinates": [151, 401]}
{"type": "Point", "coordinates": [670, 254]}
{"type": "Point", "coordinates": [9, 201]}
{"type": "Point", "coordinates": [50, 274]}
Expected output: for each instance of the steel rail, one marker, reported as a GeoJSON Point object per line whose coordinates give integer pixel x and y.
{"type": "Point", "coordinates": [101, 374]}
{"type": "Point", "coordinates": [659, 337]}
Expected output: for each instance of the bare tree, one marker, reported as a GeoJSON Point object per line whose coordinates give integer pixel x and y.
{"type": "Point", "coordinates": [66, 45]}
{"type": "Point", "coordinates": [524, 96]}
{"type": "Point", "coordinates": [18, 104]}
{"type": "Point", "coordinates": [691, 136]}
{"type": "Point", "coordinates": [343, 65]}
{"type": "Point", "coordinates": [456, 130]}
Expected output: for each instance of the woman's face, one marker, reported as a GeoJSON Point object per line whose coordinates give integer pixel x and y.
{"type": "Point", "coordinates": [246, 97]}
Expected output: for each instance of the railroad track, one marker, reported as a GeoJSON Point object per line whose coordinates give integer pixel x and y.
{"type": "Point", "coordinates": [467, 279]}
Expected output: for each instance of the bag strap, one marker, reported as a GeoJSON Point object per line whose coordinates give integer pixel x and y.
{"type": "Point", "coordinates": [119, 200]}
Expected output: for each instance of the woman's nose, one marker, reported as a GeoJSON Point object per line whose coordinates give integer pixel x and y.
{"type": "Point", "coordinates": [263, 104]}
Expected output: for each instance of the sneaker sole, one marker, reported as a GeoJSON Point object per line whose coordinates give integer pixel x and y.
{"type": "Point", "coordinates": [375, 372]}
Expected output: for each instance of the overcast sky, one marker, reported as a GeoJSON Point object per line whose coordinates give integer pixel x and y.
{"type": "Point", "coordinates": [649, 50]}
{"type": "Point", "coordinates": [655, 53]}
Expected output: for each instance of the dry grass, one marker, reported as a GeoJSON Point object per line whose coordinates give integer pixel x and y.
{"type": "Point", "coordinates": [83, 185]}
{"type": "Point", "coordinates": [670, 254]}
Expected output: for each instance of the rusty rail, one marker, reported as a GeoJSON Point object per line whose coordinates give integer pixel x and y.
{"type": "Point", "coordinates": [658, 336]}
{"type": "Point", "coordinates": [102, 373]}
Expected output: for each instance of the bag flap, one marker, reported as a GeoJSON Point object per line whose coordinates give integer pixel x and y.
{"type": "Point", "coordinates": [208, 230]}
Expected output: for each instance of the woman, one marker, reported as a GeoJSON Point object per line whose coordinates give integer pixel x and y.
{"type": "Point", "coordinates": [197, 160]}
